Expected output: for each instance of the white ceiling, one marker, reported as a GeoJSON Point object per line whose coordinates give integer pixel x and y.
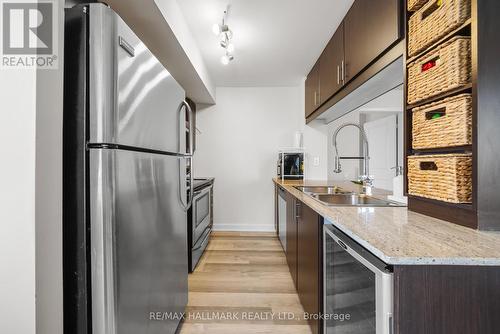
{"type": "Point", "coordinates": [277, 41]}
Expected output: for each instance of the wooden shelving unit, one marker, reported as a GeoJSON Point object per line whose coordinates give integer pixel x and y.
{"type": "Point", "coordinates": [462, 214]}
{"type": "Point", "coordinates": [456, 91]}
{"type": "Point", "coordinates": [463, 30]}
{"type": "Point", "coordinates": [456, 149]}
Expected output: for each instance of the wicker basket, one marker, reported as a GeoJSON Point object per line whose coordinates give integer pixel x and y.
{"type": "Point", "coordinates": [442, 69]}
{"type": "Point", "coordinates": [434, 21]}
{"type": "Point", "coordinates": [445, 177]}
{"type": "Point", "coordinates": [414, 5]}
{"type": "Point", "coordinates": [445, 123]}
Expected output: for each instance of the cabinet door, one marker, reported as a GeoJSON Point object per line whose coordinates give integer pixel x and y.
{"type": "Point", "coordinates": [332, 65]}
{"type": "Point", "coordinates": [370, 26]}
{"type": "Point", "coordinates": [312, 98]}
{"type": "Point", "coordinates": [308, 262]}
{"type": "Point", "coordinates": [291, 237]}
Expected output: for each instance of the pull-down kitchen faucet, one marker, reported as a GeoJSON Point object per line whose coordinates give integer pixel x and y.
{"type": "Point", "coordinates": [365, 178]}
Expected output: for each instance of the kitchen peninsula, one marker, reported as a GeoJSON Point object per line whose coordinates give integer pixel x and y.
{"type": "Point", "coordinates": [437, 266]}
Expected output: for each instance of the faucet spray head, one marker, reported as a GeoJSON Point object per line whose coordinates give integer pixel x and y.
{"type": "Point", "coordinates": [337, 166]}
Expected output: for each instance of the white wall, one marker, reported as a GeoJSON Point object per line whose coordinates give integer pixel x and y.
{"type": "Point", "coordinates": [30, 197]}
{"type": "Point", "coordinates": [238, 145]}
{"type": "Point", "coordinates": [315, 143]}
{"type": "Point", "coordinates": [17, 198]}
{"type": "Point", "coordinates": [48, 195]}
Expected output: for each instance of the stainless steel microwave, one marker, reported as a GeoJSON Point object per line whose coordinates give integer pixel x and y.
{"type": "Point", "coordinates": [291, 165]}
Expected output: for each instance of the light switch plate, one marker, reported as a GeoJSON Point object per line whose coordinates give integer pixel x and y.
{"type": "Point", "coordinates": [316, 161]}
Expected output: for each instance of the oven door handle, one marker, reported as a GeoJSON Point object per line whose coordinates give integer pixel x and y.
{"type": "Point", "coordinates": [182, 179]}
{"type": "Point", "coordinates": [200, 193]}
{"type": "Point", "coordinates": [204, 239]}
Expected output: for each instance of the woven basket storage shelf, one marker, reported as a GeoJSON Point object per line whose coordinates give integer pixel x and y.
{"type": "Point", "coordinates": [445, 123]}
{"type": "Point", "coordinates": [446, 177]}
{"type": "Point", "coordinates": [435, 20]}
{"type": "Point", "coordinates": [442, 69]}
{"type": "Point", "coordinates": [414, 5]}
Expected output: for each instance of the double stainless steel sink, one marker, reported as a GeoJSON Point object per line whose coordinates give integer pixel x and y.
{"type": "Point", "coordinates": [335, 196]}
{"type": "Point", "coordinates": [322, 190]}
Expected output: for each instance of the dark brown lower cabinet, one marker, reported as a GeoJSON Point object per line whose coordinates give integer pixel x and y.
{"type": "Point", "coordinates": [446, 300]}
{"type": "Point", "coordinates": [291, 236]}
{"type": "Point", "coordinates": [309, 283]}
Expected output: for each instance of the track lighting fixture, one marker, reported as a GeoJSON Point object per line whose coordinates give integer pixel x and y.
{"type": "Point", "coordinates": [225, 59]}
{"type": "Point", "coordinates": [225, 35]}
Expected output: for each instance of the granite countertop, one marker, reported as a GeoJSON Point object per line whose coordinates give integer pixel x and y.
{"type": "Point", "coordinates": [401, 237]}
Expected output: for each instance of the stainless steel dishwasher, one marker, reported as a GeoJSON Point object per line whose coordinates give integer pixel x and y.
{"type": "Point", "coordinates": [282, 217]}
{"type": "Point", "coordinates": [357, 287]}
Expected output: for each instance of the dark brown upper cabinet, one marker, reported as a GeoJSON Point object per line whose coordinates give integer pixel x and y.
{"type": "Point", "coordinates": [332, 65]}
{"type": "Point", "coordinates": [312, 87]}
{"type": "Point", "coordinates": [370, 27]}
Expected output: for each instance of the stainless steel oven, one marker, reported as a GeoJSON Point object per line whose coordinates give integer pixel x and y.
{"type": "Point", "coordinates": [200, 220]}
{"type": "Point", "coordinates": [358, 287]}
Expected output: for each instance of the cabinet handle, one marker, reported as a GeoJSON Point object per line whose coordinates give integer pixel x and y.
{"type": "Point", "coordinates": [338, 75]}
{"type": "Point", "coordinates": [297, 210]}
{"type": "Point", "coordinates": [315, 103]}
{"type": "Point", "coordinates": [343, 72]}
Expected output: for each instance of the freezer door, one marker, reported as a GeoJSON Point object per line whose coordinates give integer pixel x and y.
{"type": "Point", "coordinates": [134, 100]}
{"type": "Point", "coordinates": [139, 261]}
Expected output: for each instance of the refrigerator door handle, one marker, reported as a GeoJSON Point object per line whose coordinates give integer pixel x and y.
{"type": "Point", "coordinates": [188, 156]}
{"type": "Point", "coordinates": [191, 129]}
{"type": "Point", "coordinates": [191, 152]}
{"type": "Point", "coordinates": [182, 130]}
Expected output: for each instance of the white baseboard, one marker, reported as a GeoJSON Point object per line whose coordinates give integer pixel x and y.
{"type": "Point", "coordinates": [244, 227]}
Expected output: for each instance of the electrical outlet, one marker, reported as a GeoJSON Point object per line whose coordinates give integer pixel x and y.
{"type": "Point", "coordinates": [316, 161]}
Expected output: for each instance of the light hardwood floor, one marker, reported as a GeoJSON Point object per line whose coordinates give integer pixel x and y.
{"type": "Point", "coordinates": [242, 285]}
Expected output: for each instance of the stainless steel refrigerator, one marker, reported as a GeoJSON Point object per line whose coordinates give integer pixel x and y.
{"type": "Point", "coordinates": [126, 149]}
